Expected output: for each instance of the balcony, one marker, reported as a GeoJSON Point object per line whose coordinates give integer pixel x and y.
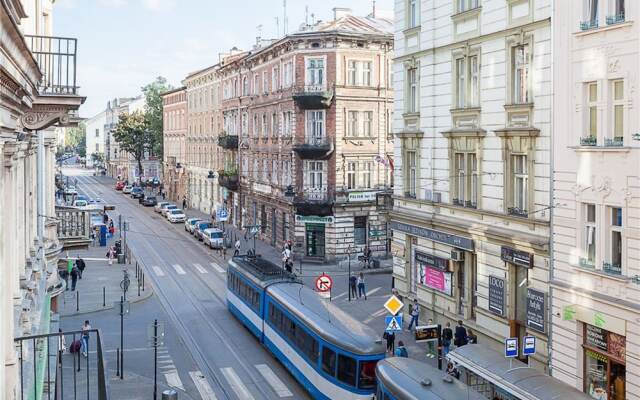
{"type": "Point", "coordinates": [314, 148]}
{"type": "Point", "coordinates": [229, 142]}
{"type": "Point", "coordinates": [73, 227]}
{"type": "Point", "coordinates": [588, 141]}
{"type": "Point", "coordinates": [229, 179]}
{"type": "Point", "coordinates": [313, 97]}
{"type": "Point", "coordinates": [588, 25]}
{"type": "Point", "coordinates": [314, 201]}
{"type": "Point", "coordinates": [615, 19]}
{"type": "Point", "coordinates": [611, 269]}
{"type": "Point", "coordinates": [518, 212]}
{"type": "Point", "coordinates": [586, 263]}
{"type": "Point", "coordinates": [614, 142]}
{"type": "Point", "coordinates": [56, 57]}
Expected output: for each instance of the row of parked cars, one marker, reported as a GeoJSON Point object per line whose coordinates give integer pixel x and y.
{"type": "Point", "coordinates": [201, 229]}
{"type": "Point", "coordinates": [136, 192]}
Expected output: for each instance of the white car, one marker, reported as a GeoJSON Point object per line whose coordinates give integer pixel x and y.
{"type": "Point", "coordinates": [167, 208]}
{"type": "Point", "coordinates": [190, 224]}
{"type": "Point", "coordinates": [71, 190]}
{"type": "Point", "coordinates": [80, 203]}
{"type": "Point", "coordinates": [176, 215]}
{"type": "Point", "coordinates": [158, 207]}
{"type": "Point", "coordinates": [127, 189]}
{"type": "Point", "coordinates": [213, 237]}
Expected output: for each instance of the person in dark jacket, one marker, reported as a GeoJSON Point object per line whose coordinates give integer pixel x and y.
{"type": "Point", "coordinates": [447, 337]}
{"type": "Point", "coordinates": [81, 266]}
{"type": "Point", "coordinates": [64, 274]}
{"type": "Point", "coordinates": [353, 285]}
{"type": "Point", "coordinates": [74, 277]}
{"type": "Point", "coordinates": [391, 341]}
{"type": "Point", "coordinates": [460, 337]}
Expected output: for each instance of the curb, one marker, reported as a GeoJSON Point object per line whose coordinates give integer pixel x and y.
{"type": "Point", "coordinates": [135, 299]}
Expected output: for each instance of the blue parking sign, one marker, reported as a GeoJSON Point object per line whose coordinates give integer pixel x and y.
{"type": "Point", "coordinates": [511, 347]}
{"type": "Point", "coordinates": [222, 214]}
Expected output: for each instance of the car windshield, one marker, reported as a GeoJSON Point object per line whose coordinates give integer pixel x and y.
{"type": "Point", "coordinates": [171, 207]}
{"type": "Point", "coordinates": [151, 198]}
{"type": "Point", "coordinates": [204, 226]}
{"type": "Point", "coordinates": [216, 235]}
{"type": "Point", "coordinates": [195, 221]}
{"type": "Point", "coordinates": [176, 211]}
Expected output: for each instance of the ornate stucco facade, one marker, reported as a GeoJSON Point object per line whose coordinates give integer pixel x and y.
{"type": "Point", "coordinates": [174, 135]}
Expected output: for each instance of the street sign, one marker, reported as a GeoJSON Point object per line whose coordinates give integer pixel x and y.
{"type": "Point", "coordinates": [151, 336]}
{"type": "Point", "coordinates": [393, 305]}
{"type": "Point", "coordinates": [529, 345]}
{"type": "Point", "coordinates": [427, 333]}
{"type": "Point", "coordinates": [323, 283]}
{"type": "Point", "coordinates": [393, 323]}
{"type": "Point", "coordinates": [511, 347]}
{"type": "Point", "coordinates": [222, 214]}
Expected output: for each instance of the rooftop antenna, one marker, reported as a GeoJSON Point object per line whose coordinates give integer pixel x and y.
{"type": "Point", "coordinates": [306, 15]}
{"type": "Point", "coordinates": [313, 19]}
{"type": "Point", "coordinates": [373, 14]}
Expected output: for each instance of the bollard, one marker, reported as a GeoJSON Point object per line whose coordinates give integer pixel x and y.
{"type": "Point", "coordinates": [138, 288]}
{"type": "Point", "coordinates": [170, 395]}
{"type": "Point", "coordinates": [137, 270]}
{"type": "Point", "coordinates": [118, 361]}
{"type": "Point", "coordinates": [104, 297]}
{"type": "Point", "coordinates": [143, 282]}
{"type": "Point", "coordinates": [77, 301]}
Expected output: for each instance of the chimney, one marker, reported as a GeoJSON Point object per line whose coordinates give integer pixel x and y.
{"type": "Point", "coordinates": [340, 12]}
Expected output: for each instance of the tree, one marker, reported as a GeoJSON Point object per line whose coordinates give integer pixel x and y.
{"type": "Point", "coordinates": [153, 112]}
{"type": "Point", "coordinates": [97, 158]}
{"type": "Point", "coordinates": [133, 135]}
{"type": "Point", "coordinates": [76, 138]}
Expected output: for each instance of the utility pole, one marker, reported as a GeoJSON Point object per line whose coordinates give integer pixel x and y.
{"type": "Point", "coordinates": [155, 359]}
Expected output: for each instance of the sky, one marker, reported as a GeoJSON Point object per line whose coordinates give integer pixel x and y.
{"type": "Point", "coordinates": [125, 44]}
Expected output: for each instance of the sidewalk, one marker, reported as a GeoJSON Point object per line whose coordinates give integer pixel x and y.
{"type": "Point", "coordinates": [100, 287]}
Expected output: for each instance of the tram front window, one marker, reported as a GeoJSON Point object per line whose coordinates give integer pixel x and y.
{"type": "Point", "coordinates": [347, 370]}
{"type": "Point", "coordinates": [329, 361]}
{"type": "Point", "coordinates": [367, 374]}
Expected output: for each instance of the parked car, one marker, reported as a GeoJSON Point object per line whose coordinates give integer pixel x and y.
{"type": "Point", "coordinates": [190, 224]}
{"type": "Point", "coordinates": [149, 201]}
{"type": "Point", "coordinates": [159, 205]}
{"type": "Point", "coordinates": [176, 215]}
{"type": "Point", "coordinates": [200, 227]}
{"type": "Point", "coordinates": [127, 189]}
{"type": "Point", "coordinates": [213, 237]}
{"type": "Point", "coordinates": [137, 193]}
{"type": "Point", "coordinates": [119, 185]}
{"type": "Point", "coordinates": [155, 181]}
{"type": "Point", "coordinates": [80, 203]}
{"type": "Point", "coordinates": [70, 190]}
{"type": "Point", "coordinates": [168, 208]}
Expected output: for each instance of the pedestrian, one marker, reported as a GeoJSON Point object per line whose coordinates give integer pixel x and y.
{"type": "Point", "coordinates": [236, 252]}
{"type": "Point", "coordinates": [447, 336]}
{"type": "Point", "coordinates": [74, 277]}
{"type": "Point", "coordinates": [401, 351]}
{"type": "Point", "coordinates": [62, 345]}
{"type": "Point", "coordinates": [353, 285]}
{"type": "Point", "coordinates": [184, 202]}
{"type": "Point", "coordinates": [361, 288]}
{"type": "Point", "coordinates": [105, 218]}
{"type": "Point", "coordinates": [286, 255]}
{"type": "Point", "coordinates": [84, 348]}
{"type": "Point", "coordinates": [81, 265]}
{"type": "Point", "coordinates": [414, 313]}
{"type": "Point", "coordinates": [452, 370]}
{"type": "Point", "coordinates": [64, 274]}
{"type": "Point", "coordinates": [289, 266]}
{"type": "Point", "coordinates": [390, 337]}
{"type": "Point", "coordinates": [110, 254]}
{"type": "Point", "coordinates": [367, 257]}
{"type": "Point", "coordinates": [471, 337]}
{"type": "Point", "coordinates": [460, 336]}
{"type": "Point", "coordinates": [431, 344]}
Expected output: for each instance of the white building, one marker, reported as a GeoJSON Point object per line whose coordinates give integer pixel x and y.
{"type": "Point", "coordinates": [595, 286]}
{"type": "Point", "coordinates": [95, 139]}
{"type": "Point", "coordinates": [472, 121]}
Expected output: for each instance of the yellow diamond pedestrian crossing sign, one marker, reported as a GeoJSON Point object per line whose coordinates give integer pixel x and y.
{"type": "Point", "coordinates": [393, 305]}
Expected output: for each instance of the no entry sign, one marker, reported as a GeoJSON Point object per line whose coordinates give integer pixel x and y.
{"type": "Point", "coordinates": [323, 283]}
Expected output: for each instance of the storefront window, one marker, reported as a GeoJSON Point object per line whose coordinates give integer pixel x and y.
{"type": "Point", "coordinates": [596, 374]}
{"type": "Point", "coordinates": [604, 355]}
{"type": "Point", "coordinates": [360, 230]}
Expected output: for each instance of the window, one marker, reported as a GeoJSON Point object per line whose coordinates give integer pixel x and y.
{"type": "Point", "coordinates": [265, 82]}
{"type": "Point", "coordinates": [465, 189]}
{"type": "Point", "coordinates": [328, 361]}
{"type": "Point", "coordinates": [461, 79]}
{"type": "Point", "coordinates": [464, 5]}
{"type": "Point", "coordinates": [97, 147]}
{"type": "Point", "coordinates": [591, 12]}
{"type": "Point", "coordinates": [474, 81]}
{"type": "Point", "coordinates": [411, 173]}
{"type": "Point", "coordinates": [245, 123]}
{"type": "Point", "coordinates": [287, 75]}
{"type": "Point", "coordinates": [274, 125]}
{"type": "Point", "coordinates": [413, 18]}
{"type": "Point", "coordinates": [315, 172]}
{"type": "Point", "coordinates": [256, 84]}
{"type": "Point", "coordinates": [315, 72]}
{"type": "Point", "coordinates": [360, 230]}
{"type": "Point", "coordinates": [593, 109]}
{"type": "Point", "coordinates": [365, 180]}
{"type": "Point", "coordinates": [616, 12]}
{"type": "Point", "coordinates": [359, 73]}
{"type": "Point", "coordinates": [352, 72]}
{"type": "Point", "coordinates": [590, 235]}
{"type": "Point", "coordinates": [367, 123]}
{"type": "Point", "coordinates": [264, 132]}
{"type": "Point", "coordinates": [412, 88]}
{"type": "Point", "coordinates": [315, 124]}
{"type": "Point", "coordinates": [245, 86]}
{"type": "Point", "coordinates": [520, 182]}
{"type": "Point", "coordinates": [97, 132]}
{"type": "Point", "coordinates": [367, 375]}
{"type": "Point", "coordinates": [286, 123]}
{"type": "Point", "coordinates": [274, 79]}
{"type": "Point", "coordinates": [461, 180]}
{"type": "Point", "coordinates": [352, 124]}
{"type": "Point", "coordinates": [614, 257]}
{"type": "Point", "coordinates": [351, 174]}
{"type": "Point", "coordinates": [274, 172]}
{"type": "Point", "coordinates": [347, 370]}
{"type": "Point", "coordinates": [520, 81]}
{"type": "Point", "coordinates": [366, 73]}
{"type": "Point", "coordinates": [255, 125]}
{"type": "Point", "coordinates": [618, 110]}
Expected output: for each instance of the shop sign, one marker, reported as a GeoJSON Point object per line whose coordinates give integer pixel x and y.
{"type": "Point", "coordinates": [312, 219]}
{"type": "Point", "coordinates": [496, 295]}
{"type": "Point", "coordinates": [432, 261]}
{"type": "Point", "coordinates": [536, 310]}
{"type": "Point", "coordinates": [437, 236]}
{"type": "Point", "coordinates": [596, 337]}
{"type": "Point", "coordinates": [377, 232]}
{"type": "Point", "coordinates": [261, 188]}
{"type": "Point", "coordinates": [617, 346]}
{"type": "Point", "coordinates": [434, 278]}
{"type": "Point", "coordinates": [354, 197]}
{"type": "Point", "coordinates": [516, 257]}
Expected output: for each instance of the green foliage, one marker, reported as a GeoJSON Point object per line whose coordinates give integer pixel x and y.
{"type": "Point", "coordinates": [134, 136]}
{"type": "Point", "coordinates": [97, 158]}
{"type": "Point", "coordinates": [76, 138]}
{"type": "Point", "coordinates": [153, 112]}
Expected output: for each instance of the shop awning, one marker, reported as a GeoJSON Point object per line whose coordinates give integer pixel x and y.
{"type": "Point", "coordinates": [516, 379]}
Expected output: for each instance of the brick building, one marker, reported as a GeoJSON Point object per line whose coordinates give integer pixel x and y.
{"type": "Point", "coordinates": [174, 133]}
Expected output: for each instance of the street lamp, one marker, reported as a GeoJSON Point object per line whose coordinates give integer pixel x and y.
{"type": "Point", "coordinates": [211, 176]}
{"type": "Point", "coordinates": [289, 193]}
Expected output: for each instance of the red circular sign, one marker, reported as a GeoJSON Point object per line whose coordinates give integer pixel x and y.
{"type": "Point", "coordinates": [323, 283]}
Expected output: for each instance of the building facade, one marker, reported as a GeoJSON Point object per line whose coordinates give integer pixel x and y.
{"type": "Point", "coordinates": [595, 282]}
{"type": "Point", "coordinates": [32, 102]}
{"type": "Point", "coordinates": [95, 139]}
{"type": "Point", "coordinates": [472, 165]}
{"type": "Point", "coordinates": [174, 135]}
{"type": "Point", "coordinates": [112, 115]}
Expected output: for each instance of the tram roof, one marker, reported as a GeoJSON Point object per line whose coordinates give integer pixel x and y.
{"type": "Point", "coordinates": [262, 272]}
{"type": "Point", "coordinates": [404, 378]}
{"type": "Point", "coordinates": [327, 320]}
{"type": "Point", "coordinates": [513, 377]}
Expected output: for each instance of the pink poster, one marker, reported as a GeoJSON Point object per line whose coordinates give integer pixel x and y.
{"type": "Point", "coordinates": [435, 279]}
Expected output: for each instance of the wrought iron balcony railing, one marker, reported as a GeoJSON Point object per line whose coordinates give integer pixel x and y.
{"type": "Point", "coordinates": [56, 57]}
{"type": "Point", "coordinates": [612, 269]}
{"type": "Point", "coordinates": [518, 212]}
{"type": "Point", "coordinates": [586, 25]}
{"type": "Point", "coordinates": [314, 147]}
{"type": "Point", "coordinates": [229, 142]}
{"type": "Point", "coordinates": [586, 263]}
{"type": "Point", "coordinates": [588, 141]}
{"type": "Point", "coordinates": [614, 142]}
{"type": "Point", "coordinates": [313, 96]}
{"type": "Point", "coordinates": [314, 201]}
{"type": "Point", "coordinates": [615, 19]}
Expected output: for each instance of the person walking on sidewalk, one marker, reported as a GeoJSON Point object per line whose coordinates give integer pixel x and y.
{"type": "Point", "coordinates": [110, 255]}
{"type": "Point", "coordinates": [236, 252]}
{"type": "Point", "coordinates": [81, 265]}
{"type": "Point", "coordinates": [64, 274]}
{"type": "Point", "coordinates": [390, 337]}
{"type": "Point", "coordinates": [447, 337]}
{"type": "Point", "coordinates": [415, 313]}
{"type": "Point", "coordinates": [361, 288]}
{"type": "Point", "coordinates": [401, 351]}
{"type": "Point", "coordinates": [184, 202]}
{"type": "Point", "coordinates": [353, 285]}
{"type": "Point", "coordinates": [460, 336]}
{"type": "Point", "coordinates": [431, 344]}
{"type": "Point", "coordinates": [84, 342]}
{"type": "Point", "coordinates": [75, 272]}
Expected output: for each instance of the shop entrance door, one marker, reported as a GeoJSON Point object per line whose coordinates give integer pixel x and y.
{"type": "Point", "coordinates": [314, 240]}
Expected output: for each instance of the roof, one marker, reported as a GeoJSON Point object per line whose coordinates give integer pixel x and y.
{"type": "Point", "coordinates": [262, 272]}
{"type": "Point", "coordinates": [351, 24]}
{"type": "Point", "coordinates": [513, 376]}
{"type": "Point", "coordinates": [404, 378]}
{"type": "Point", "coordinates": [327, 320]}
{"type": "Point", "coordinates": [171, 91]}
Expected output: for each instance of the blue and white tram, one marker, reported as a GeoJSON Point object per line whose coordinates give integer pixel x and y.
{"type": "Point", "coordinates": [330, 353]}
{"type": "Point", "coordinates": [408, 379]}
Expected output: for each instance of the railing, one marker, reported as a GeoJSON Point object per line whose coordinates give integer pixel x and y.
{"type": "Point", "coordinates": [72, 223]}
{"type": "Point", "coordinates": [320, 141]}
{"type": "Point", "coordinates": [587, 25]}
{"type": "Point", "coordinates": [44, 366]}
{"type": "Point", "coordinates": [586, 263]}
{"type": "Point", "coordinates": [518, 212]}
{"type": "Point", "coordinates": [315, 195]}
{"type": "Point", "coordinates": [588, 141]}
{"type": "Point", "coordinates": [614, 142]}
{"type": "Point", "coordinates": [56, 57]}
{"type": "Point", "coordinates": [612, 269]}
{"type": "Point", "coordinates": [615, 19]}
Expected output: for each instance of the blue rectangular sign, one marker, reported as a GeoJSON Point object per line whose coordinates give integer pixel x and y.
{"type": "Point", "coordinates": [393, 323]}
{"type": "Point", "coordinates": [529, 345]}
{"type": "Point", "coordinates": [511, 347]}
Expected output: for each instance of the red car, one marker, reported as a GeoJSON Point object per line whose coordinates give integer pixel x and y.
{"type": "Point", "coordinates": [119, 185]}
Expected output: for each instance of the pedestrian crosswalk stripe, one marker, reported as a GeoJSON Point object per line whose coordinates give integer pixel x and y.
{"type": "Point", "coordinates": [273, 380]}
{"type": "Point", "coordinates": [200, 269]}
{"type": "Point", "coordinates": [372, 291]}
{"type": "Point", "coordinates": [236, 384]}
{"type": "Point", "coordinates": [157, 270]}
{"type": "Point", "coordinates": [178, 269]}
{"type": "Point", "coordinates": [205, 390]}
{"type": "Point", "coordinates": [168, 366]}
{"type": "Point", "coordinates": [217, 267]}
{"type": "Point", "coordinates": [173, 380]}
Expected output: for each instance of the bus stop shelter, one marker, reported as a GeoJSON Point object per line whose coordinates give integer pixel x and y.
{"type": "Point", "coordinates": [492, 374]}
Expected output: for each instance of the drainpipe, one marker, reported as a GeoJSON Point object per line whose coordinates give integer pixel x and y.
{"type": "Point", "coordinates": [551, 205]}
{"type": "Point", "coordinates": [40, 182]}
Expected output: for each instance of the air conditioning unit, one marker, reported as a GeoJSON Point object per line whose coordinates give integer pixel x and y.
{"type": "Point", "coordinates": [457, 255]}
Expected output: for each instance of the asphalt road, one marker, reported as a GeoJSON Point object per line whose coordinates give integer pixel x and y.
{"type": "Point", "coordinates": [191, 291]}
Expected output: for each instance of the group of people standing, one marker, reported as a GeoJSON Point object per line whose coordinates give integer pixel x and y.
{"type": "Point", "coordinates": [74, 271]}
{"type": "Point", "coordinates": [357, 286]}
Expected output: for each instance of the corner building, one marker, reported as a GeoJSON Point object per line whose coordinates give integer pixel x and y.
{"type": "Point", "coordinates": [472, 125]}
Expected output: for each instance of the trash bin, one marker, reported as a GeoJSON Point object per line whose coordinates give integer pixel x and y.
{"type": "Point", "coordinates": [375, 263]}
{"type": "Point", "coordinates": [170, 394]}
{"type": "Point", "coordinates": [120, 258]}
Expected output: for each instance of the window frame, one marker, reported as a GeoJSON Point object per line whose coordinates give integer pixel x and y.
{"type": "Point", "coordinates": [315, 72]}
{"type": "Point", "coordinates": [525, 83]}
{"type": "Point", "coordinates": [615, 103]}
{"type": "Point", "coordinates": [352, 175]}
{"type": "Point", "coordinates": [412, 104]}
{"type": "Point", "coordinates": [591, 230]}
{"type": "Point", "coordinates": [612, 229]}
{"type": "Point", "coordinates": [411, 177]}
{"type": "Point", "coordinates": [592, 110]}
{"type": "Point", "coordinates": [520, 176]}
{"type": "Point", "coordinates": [413, 14]}
{"type": "Point", "coordinates": [313, 124]}
{"type": "Point", "coordinates": [353, 124]}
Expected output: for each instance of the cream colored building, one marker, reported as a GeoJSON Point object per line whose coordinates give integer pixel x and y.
{"type": "Point", "coordinates": [472, 124]}
{"type": "Point", "coordinates": [174, 136]}
{"type": "Point", "coordinates": [32, 102]}
{"type": "Point", "coordinates": [595, 285]}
